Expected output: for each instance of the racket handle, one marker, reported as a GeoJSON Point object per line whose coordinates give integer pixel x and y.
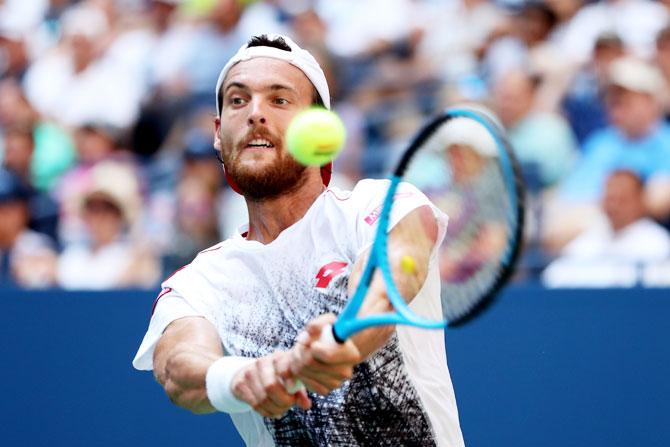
{"type": "Point", "coordinates": [327, 337]}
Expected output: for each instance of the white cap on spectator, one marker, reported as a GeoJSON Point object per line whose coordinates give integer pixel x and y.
{"type": "Point", "coordinates": [297, 57]}
{"type": "Point", "coordinates": [117, 183]}
{"type": "Point", "coordinates": [466, 132]}
{"type": "Point", "coordinates": [88, 21]}
{"type": "Point", "coordinates": [637, 76]}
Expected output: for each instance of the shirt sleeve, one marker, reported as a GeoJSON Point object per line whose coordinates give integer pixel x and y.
{"type": "Point", "coordinates": [169, 306]}
{"type": "Point", "coordinates": [369, 196]}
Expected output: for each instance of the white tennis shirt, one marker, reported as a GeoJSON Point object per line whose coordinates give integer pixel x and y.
{"type": "Point", "coordinates": [260, 296]}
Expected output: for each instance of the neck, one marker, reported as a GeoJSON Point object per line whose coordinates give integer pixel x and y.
{"type": "Point", "coordinates": [268, 218]}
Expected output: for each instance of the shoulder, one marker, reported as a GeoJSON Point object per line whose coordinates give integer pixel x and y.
{"type": "Point", "coordinates": [664, 130]}
{"type": "Point", "coordinates": [202, 263]}
{"type": "Point", "coordinates": [602, 140]}
{"type": "Point", "coordinates": [369, 187]}
{"type": "Point", "coordinates": [648, 227]}
{"type": "Point", "coordinates": [362, 193]}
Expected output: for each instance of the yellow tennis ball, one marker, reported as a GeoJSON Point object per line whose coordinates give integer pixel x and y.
{"type": "Point", "coordinates": [315, 136]}
{"type": "Point", "coordinates": [408, 264]}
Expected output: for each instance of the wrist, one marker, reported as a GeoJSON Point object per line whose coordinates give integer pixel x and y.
{"type": "Point", "coordinates": [219, 380]}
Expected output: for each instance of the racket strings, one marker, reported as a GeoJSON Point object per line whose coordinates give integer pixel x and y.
{"type": "Point", "coordinates": [465, 171]}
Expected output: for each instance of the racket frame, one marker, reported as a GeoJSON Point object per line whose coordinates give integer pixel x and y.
{"type": "Point", "coordinates": [347, 323]}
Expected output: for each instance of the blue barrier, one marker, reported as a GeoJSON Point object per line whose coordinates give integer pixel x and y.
{"type": "Point", "coordinates": [541, 368]}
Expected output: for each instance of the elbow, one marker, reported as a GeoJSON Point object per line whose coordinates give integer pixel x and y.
{"type": "Point", "coordinates": [182, 387]}
{"type": "Point", "coordinates": [189, 399]}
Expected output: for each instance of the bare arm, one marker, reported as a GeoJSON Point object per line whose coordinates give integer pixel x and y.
{"type": "Point", "coordinates": [186, 350]}
{"type": "Point", "coordinates": [414, 236]}
{"type": "Point", "coordinates": [323, 367]}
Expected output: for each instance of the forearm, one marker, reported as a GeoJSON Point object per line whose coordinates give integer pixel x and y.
{"type": "Point", "coordinates": [183, 377]}
{"type": "Point", "coordinates": [182, 357]}
{"type": "Point", "coordinates": [410, 246]}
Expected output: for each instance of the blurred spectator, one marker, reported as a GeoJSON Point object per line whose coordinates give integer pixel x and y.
{"type": "Point", "coordinates": [95, 143]}
{"type": "Point", "coordinates": [14, 58]}
{"type": "Point", "coordinates": [110, 257]}
{"type": "Point", "coordinates": [636, 139]}
{"type": "Point", "coordinates": [636, 21]}
{"type": "Point", "coordinates": [526, 46]}
{"type": "Point", "coordinates": [27, 258]}
{"type": "Point", "coordinates": [662, 56]}
{"type": "Point", "coordinates": [197, 226]}
{"type": "Point", "coordinates": [75, 83]}
{"type": "Point", "coordinates": [43, 210]}
{"type": "Point", "coordinates": [455, 35]}
{"type": "Point", "coordinates": [221, 36]}
{"type": "Point", "coordinates": [19, 144]}
{"type": "Point", "coordinates": [53, 149]}
{"type": "Point", "coordinates": [608, 252]}
{"type": "Point", "coordinates": [583, 102]}
{"type": "Point", "coordinates": [543, 141]}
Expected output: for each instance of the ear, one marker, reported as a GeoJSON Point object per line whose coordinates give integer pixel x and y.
{"type": "Point", "coordinates": [217, 134]}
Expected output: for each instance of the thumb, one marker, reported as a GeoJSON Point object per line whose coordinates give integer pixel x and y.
{"type": "Point", "coordinates": [315, 326]}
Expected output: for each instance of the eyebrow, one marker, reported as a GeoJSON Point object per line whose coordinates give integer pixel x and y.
{"type": "Point", "coordinates": [273, 87]}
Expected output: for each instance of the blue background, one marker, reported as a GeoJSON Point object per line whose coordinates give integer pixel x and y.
{"type": "Point", "coordinates": [541, 368]}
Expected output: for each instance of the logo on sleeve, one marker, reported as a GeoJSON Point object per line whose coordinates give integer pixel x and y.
{"type": "Point", "coordinates": [329, 271]}
{"type": "Point", "coordinates": [371, 218]}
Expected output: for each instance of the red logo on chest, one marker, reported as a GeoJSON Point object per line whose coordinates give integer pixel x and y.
{"type": "Point", "coordinates": [328, 272]}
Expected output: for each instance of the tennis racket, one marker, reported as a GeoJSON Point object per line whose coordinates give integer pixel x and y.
{"type": "Point", "coordinates": [462, 161]}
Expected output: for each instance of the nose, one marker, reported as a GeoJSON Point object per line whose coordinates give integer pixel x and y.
{"type": "Point", "coordinates": [256, 114]}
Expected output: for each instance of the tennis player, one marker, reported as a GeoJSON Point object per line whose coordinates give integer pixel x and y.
{"type": "Point", "coordinates": [230, 330]}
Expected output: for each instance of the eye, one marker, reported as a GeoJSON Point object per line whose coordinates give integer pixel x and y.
{"type": "Point", "coordinates": [281, 101]}
{"type": "Point", "coordinates": [236, 100]}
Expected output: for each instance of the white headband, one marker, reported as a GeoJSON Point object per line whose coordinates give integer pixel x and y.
{"type": "Point", "coordinates": [297, 57]}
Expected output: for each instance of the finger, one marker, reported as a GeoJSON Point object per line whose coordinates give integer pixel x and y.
{"type": "Point", "coordinates": [325, 380]}
{"type": "Point", "coordinates": [345, 353]}
{"type": "Point", "coordinates": [339, 373]}
{"type": "Point", "coordinates": [303, 338]}
{"type": "Point", "coordinates": [299, 358]}
{"type": "Point", "coordinates": [317, 387]}
{"type": "Point", "coordinates": [315, 326]}
{"type": "Point", "coordinates": [276, 394]}
{"type": "Point", "coordinates": [253, 385]}
{"type": "Point", "coordinates": [282, 365]}
{"type": "Point", "coordinates": [259, 400]}
{"type": "Point", "coordinates": [303, 400]}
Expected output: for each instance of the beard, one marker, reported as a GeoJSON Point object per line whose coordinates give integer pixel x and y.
{"type": "Point", "coordinates": [284, 175]}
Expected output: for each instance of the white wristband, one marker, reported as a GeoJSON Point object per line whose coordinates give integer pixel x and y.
{"type": "Point", "coordinates": [219, 380]}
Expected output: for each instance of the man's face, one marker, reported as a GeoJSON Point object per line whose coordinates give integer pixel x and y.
{"type": "Point", "coordinates": [14, 220]}
{"type": "Point", "coordinates": [260, 97]}
{"type": "Point", "coordinates": [623, 201]}
{"type": "Point", "coordinates": [632, 112]}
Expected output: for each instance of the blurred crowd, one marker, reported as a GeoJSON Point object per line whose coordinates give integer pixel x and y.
{"type": "Point", "coordinates": [109, 178]}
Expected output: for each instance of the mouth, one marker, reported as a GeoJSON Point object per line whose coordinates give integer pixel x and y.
{"type": "Point", "coordinates": [259, 143]}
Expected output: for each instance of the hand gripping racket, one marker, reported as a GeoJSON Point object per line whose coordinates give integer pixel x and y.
{"type": "Point", "coordinates": [462, 161]}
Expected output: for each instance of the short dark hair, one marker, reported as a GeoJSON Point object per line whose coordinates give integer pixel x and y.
{"type": "Point", "coordinates": [264, 41]}
{"type": "Point", "coordinates": [279, 43]}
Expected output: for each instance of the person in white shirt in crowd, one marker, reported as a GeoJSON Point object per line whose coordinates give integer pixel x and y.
{"type": "Point", "coordinates": [608, 253]}
{"type": "Point", "coordinates": [637, 138]}
{"type": "Point", "coordinates": [76, 83]}
{"type": "Point", "coordinates": [636, 21]}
